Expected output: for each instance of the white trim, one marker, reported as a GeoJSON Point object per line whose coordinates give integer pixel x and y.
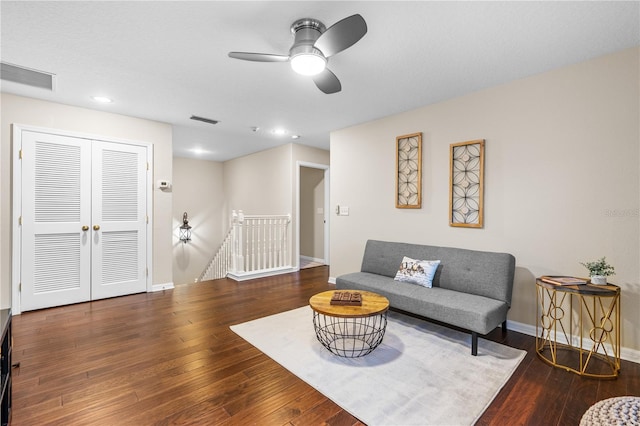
{"type": "Point", "coordinates": [324, 167]}
{"type": "Point", "coordinates": [80, 135]}
{"type": "Point", "coordinates": [327, 216]}
{"type": "Point", "coordinates": [16, 202]}
{"type": "Point", "coordinates": [16, 208]}
{"type": "Point", "coordinates": [261, 273]}
{"type": "Point", "coordinates": [627, 354]}
{"type": "Point", "coordinates": [161, 287]}
{"type": "Point", "coordinates": [311, 259]}
{"type": "Point", "coordinates": [150, 215]}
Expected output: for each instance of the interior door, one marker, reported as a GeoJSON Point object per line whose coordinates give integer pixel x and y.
{"type": "Point", "coordinates": [84, 220]}
{"type": "Point", "coordinates": [119, 219]}
{"type": "Point", "coordinates": [56, 215]}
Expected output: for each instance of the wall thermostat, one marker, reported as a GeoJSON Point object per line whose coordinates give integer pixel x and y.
{"type": "Point", "coordinates": [164, 184]}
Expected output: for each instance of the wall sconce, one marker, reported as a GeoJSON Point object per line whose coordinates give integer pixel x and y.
{"type": "Point", "coordinates": [185, 229]}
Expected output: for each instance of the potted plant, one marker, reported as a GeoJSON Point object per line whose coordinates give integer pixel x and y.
{"type": "Point", "coordinates": [599, 270]}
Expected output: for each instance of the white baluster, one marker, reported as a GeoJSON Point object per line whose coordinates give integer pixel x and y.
{"type": "Point", "coordinates": [265, 243]}
{"type": "Point", "coordinates": [239, 238]}
{"type": "Point", "coordinates": [270, 243]}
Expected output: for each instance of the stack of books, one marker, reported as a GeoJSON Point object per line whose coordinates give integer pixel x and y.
{"type": "Point", "coordinates": [347, 298]}
{"type": "Point", "coordinates": [563, 280]}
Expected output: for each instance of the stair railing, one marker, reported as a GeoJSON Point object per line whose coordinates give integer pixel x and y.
{"type": "Point", "coordinates": [255, 245]}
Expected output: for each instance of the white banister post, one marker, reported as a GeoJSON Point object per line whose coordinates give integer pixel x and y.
{"type": "Point", "coordinates": [287, 243]}
{"type": "Point", "coordinates": [234, 242]}
{"type": "Point", "coordinates": [237, 255]}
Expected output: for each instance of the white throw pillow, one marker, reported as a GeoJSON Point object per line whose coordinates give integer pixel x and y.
{"type": "Point", "coordinates": [419, 272]}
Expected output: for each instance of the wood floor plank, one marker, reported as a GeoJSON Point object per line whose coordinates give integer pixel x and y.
{"type": "Point", "coordinates": [170, 358]}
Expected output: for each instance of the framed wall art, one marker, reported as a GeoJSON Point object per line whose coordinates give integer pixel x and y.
{"type": "Point", "coordinates": [466, 184]}
{"type": "Point", "coordinates": [409, 171]}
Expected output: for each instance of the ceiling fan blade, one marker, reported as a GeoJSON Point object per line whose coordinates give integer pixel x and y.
{"type": "Point", "coordinates": [341, 35]}
{"type": "Point", "coordinates": [327, 82]}
{"type": "Point", "coordinates": [258, 57]}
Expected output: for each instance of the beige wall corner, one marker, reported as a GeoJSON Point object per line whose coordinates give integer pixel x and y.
{"type": "Point", "coordinates": [265, 182]}
{"type": "Point", "coordinates": [562, 178]}
{"type": "Point", "coordinates": [197, 190]}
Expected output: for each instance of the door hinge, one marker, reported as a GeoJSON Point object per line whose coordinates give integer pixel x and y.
{"type": "Point", "coordinates": [147, 219]}
{"type": "Point", "coordinates": [147, 165]}
{"type": "Point", "coordinates": [20, 220]}
{"type": "Point", "coordinates": [19, 287]}
{"type": "Point", "coordinates": [20, 154]}
{"type": "Point", "coordinates": [147, 269]}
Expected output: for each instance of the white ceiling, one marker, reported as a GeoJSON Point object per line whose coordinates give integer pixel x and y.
{"type": "Point", "coordinates": [168, 60]}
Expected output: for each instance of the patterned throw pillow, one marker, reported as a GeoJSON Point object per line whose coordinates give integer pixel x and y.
{"type": "Point", "coordinates": [419, 272]}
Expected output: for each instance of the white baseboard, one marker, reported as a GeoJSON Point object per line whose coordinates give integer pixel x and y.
{"type": "Point", "coordinates": [160, 287]}
{"type": "Point", "coordinates": [627, 354]}
{"type": "Point", "coordinates": [245, 276]}
{"type": "Point", "coordinates": [312, 259]}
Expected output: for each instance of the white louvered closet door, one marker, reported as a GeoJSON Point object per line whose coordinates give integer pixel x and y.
{"type": "Point", "coordinates": [119, 210]}
{"type": "Point", "coordinates": [56, 204]}
{"type": "Point", "coordinates": [84, 220]}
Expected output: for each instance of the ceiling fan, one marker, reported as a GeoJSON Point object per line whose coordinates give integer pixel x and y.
{"type": "Point", "coordinates": [313, 45]}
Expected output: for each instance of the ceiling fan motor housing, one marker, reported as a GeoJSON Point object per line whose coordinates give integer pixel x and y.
{"type": "Point", "coordinates": [306, 31]}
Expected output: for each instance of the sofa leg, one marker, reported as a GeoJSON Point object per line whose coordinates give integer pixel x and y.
{"type": "Point", "coordinates": [504, 327]}
{"type": "Point", "coordinates": [474, 343]}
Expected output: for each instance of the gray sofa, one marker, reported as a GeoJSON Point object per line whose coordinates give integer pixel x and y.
{"type": "Point", "coordinates": [471, 289]}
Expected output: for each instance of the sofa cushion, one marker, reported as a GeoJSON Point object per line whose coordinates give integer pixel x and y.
{"type": "Point", "coordinates": [471, 312]}
{"type": "Point", "coordinates": [415, 271]}
{"type": "Point", "coordinates": [481, 273]}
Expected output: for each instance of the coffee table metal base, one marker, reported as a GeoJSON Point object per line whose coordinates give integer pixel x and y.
{"type": "Point", "coordinates": [350, 337]}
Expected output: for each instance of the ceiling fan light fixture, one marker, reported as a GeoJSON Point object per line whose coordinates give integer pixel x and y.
{"type": "Point", "coordinates": [308, 63]}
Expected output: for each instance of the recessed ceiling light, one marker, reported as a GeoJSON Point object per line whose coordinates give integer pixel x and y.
{"type": "Point", "coordinates": [279, 132]}
{"type": "Point", "coordinates": [295, 136]}
{"type": "Point", "coordinates": [102, 99]}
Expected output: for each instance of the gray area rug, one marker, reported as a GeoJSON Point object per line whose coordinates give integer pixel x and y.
{"type": "Point", "coordinates": [421, 374]}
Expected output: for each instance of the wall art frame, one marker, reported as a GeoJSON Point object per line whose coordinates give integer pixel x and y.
{"type": "Point", "coordinates": [409, 171]}
{"type": "Point", "coordinates": [466, 184]}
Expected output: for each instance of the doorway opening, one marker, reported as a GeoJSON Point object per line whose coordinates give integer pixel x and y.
{"type": "Point", "coordinates": [312, 215]}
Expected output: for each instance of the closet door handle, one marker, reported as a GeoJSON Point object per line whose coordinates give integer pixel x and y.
{"type": "Point", "coordinates": [96, 227]}
{"type": "Point", "coordinates": [85, 228]}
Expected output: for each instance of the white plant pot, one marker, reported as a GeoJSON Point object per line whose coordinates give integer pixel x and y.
{"type": "Point", "coordinates": [598, 279]}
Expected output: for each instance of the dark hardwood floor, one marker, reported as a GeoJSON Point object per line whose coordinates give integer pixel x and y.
{"type": "Point", "coordinates": [170, 358]}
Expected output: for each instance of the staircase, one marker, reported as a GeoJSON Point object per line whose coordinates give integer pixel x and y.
{"type": "Point", "coordinates": [255, 246]}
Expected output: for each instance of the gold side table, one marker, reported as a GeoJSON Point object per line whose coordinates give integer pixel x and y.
{"type": "Point", "coordinates": [578, 328]}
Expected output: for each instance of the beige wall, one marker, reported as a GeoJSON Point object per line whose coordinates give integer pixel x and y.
{"type": "Point", "coordinates": [32, 112]}
{"type": "Point", "coordinates": [265, 182]}
{"type": "Point", "coordinates": [198, 190]}
{"type": "Point", "coordinates": [259, 183]}
{"type": "Point", "coordinates": [561, 176]}
{"type": "Point", "coordinates": [311, 219]}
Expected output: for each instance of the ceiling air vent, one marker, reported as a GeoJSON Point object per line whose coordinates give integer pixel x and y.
{"type": "Point", "coordinates": [203, 119]}
{"type": "Point", "coordinates": [22, 75]}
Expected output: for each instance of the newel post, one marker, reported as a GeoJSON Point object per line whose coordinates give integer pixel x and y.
{"type": "Point", "coordinates": [237, 219]}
